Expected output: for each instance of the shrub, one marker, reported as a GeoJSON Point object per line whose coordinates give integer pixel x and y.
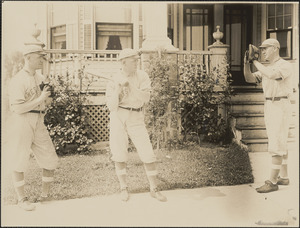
{"type": "Point", "coordinates": [163, 95]}
{"type": "Point", "coordinates": [66, 117]}
{"type": "Point", "coordinates": [200, 94]}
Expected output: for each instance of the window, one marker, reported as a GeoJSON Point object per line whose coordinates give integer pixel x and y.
{"type": "Point", "coordinates": [280, 27]}
{"type": "Point", "coordinates": [58, 37]}
{"type": "Point", "coordinates": [198, 20]}
{"type": "Point", "coordinates": [170, 23]}
{"type": "Point", "coordinates": [111, 36]}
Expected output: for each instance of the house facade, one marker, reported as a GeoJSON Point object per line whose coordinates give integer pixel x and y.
{"type": "Point", "coordinates": [188, 27]}
{"type": "Point", "coordinates": [108, 27]}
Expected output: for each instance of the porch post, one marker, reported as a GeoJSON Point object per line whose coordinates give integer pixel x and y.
{"type": "Point", "coordinates": [218, 66]}
{"type": "Point", "coordinates": [156, 42]}
{"type": "Point", "coordinates": [156, 27]}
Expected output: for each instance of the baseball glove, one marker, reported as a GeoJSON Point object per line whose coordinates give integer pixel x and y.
{"type": "Point", "coordinates": [253, 53]}
{"type": "Point", "coordinates": [50, 88]}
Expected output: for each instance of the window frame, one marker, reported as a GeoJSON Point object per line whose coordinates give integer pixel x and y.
{"type": "Point", "coordinates": [210, 23]}
{"type": "Point", "coordinates": [52, 28]}
{"type": "Point", "coordinates": [276, 30]}
{"type": "Point", "coordinates": [111, 23]}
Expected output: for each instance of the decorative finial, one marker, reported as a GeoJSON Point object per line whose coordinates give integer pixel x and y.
{"type": "Point", "coordinates": [218, 35]}
{"type": "Point", "coordinates": [36, 32]}
{"type": "Point", "coordinates": [34, 40]}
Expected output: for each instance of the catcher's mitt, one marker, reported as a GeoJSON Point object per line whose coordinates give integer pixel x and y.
{"type": "Point", "coordinates": [253, 53]}
{"type": "Point", "coordinates": [50, 88]}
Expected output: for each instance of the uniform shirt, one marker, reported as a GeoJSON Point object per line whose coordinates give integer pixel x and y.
{"type": "Point", "coordinates": [277, 88]}
{"type": "Point", "coordinates": [23, 88]}
{"type": "Point", "coordinates": [140, 80]}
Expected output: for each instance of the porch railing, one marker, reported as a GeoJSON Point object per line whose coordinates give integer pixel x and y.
{"type": "Point", "coordinates": [105, 63]}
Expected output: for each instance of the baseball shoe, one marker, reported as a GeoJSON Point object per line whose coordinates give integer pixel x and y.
{"type": "Point", "coordinates": [25, 204]}
{"type": "Point", "coordinates": [124, 194]}
{"type": "Point", "coordinates": [156, 194]}
{"type": "Point", "coordinates": [43, 199]}
{"type": "Point", "coordinates": [267, 187]}
{"type": "Point", "coordinates": [283, 181]}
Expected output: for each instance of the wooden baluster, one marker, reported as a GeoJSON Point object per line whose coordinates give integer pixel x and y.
{"type": "Point", "coordinates": [54, 64]}
{"type": "Point", "coordinates": [60, 63]}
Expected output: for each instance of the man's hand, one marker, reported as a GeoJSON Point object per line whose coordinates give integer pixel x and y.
{"type": "Point", "coordinates": [246, 57]}
{"type": "Point", "coordinates": [253, 53]}
{"type": "Point", "coordinates": [45, 93]}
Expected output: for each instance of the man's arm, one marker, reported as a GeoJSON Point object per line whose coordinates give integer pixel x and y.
{"type": "Point", "coordinates": [24, 107]}
{"type": "Point", "coordinates": [271, 74]}
{"type": "Point", "coordinates": [142, 93]}
{"type": "Point", "coordinates": [249, 77]}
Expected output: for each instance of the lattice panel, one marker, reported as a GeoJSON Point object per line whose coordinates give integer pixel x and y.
{"type": "Point", "coordinates": [98, 121]}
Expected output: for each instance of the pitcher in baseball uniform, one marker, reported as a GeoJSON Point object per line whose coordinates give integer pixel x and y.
{"type": "Point", "coordinates": [125, 98]}
{"type": "Point", "coordinates": [27, 132]}
{"type": "Point", "coordinates": [277, 83]}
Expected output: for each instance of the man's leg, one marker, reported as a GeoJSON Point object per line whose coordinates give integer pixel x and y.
{"type": "Point", "coordinates": [19, 182]}
{"type": "Point", "coordinates": [271, 185]}
{"type": "Point", "coordinates": [284, 179]}
{"type": "Point", "coordinates": [121, 174]}
{"type": "Point", "coordinates": [47, 179]}
{"type": "Point", "coordinates": [151, 173]}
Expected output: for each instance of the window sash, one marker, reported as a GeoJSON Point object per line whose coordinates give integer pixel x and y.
{"type": "Point", "coordinates": [279, 26]}
{"type": "Point", "coordinates": [116, 31]}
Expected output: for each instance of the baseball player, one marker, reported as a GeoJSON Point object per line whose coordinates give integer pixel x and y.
{"type": "Point", "coordinates": [277, 84]}
{"type": "Point", "coordinates": [125, 98]}
{"type": "Point", "coordinates": [28, 133]}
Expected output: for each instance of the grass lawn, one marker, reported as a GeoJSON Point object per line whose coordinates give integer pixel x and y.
{"type": "Point", "coordinates": [94, 175]}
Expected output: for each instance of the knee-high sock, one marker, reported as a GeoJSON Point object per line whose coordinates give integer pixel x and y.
{"type": "Point", "coordinates": [19, 183]}
{"type": "Point", "coordinates": [47, 179]}
{"type": "Point", "coordinates": [121, 174]}
{"type": "Point", "coordinates": [151, 173]}
{"type": "Point", "coordinates": [276, 165]}
{"type": "Point", "coordinates": [284, 165]}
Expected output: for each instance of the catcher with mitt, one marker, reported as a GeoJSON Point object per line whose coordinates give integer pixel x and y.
{"type": "Point", "coordinates": [28, 96]}
{"type": "Point", "coordinates": [277, 83]}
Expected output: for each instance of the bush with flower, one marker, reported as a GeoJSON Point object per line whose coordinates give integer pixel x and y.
{"type": "Point", "coordinates": [66, 117]}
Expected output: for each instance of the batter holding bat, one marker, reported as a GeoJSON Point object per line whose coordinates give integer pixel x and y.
{"type": "Point", "coordinates": [125, 97]}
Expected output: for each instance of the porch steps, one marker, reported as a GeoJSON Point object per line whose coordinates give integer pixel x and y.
{"type": "Point", "coordinates": [261, 144]}
{"type": "Point", "coordinates": [247, 112]}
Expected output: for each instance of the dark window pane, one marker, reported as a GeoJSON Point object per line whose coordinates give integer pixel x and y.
{"type": "Point", "coordinates": [279, 9]}
{"type": "Point", "coordinates": [285, 40]}
{"type": "Point", "coordinates": [188, 23]}
{"type": "Point", "coordinates": [271, 23]}
{"type": "Point", "coordinates": [271, 10]}
{"type": "Point", "coordinates": [196, 20]}
{"type": "Point", "coordinates": [279, 22]}
{"type": "Point", "coordinates": [287, 21]}
{"type": "Point", "coordinates": [287, 9]}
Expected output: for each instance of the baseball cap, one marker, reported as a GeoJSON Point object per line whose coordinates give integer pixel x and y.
{"type": "Point", "coordinates": [270, 42]}
{"type": "Point", "coordinates": [34, 49]}
{"type": "Point", "coordinates": [128, 53]}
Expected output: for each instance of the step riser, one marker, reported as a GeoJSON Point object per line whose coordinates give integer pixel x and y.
{"type": "Point", "coordinates": [250, 121]}
{"type": "Point", "coordinates": [248, 97]}
{"type": "Point", "coordinates": [247, 109]}
{"type": "Point", "coordinates": [264, 147]}
{"type": "Point", "coordinates": [251, 134]}
{"type": "Point", "coordinates": [257, 120]}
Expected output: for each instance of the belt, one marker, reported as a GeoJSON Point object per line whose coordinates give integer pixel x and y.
{"type": "Point", "coordinates": [132, 109]}
{"type": "Point", "coordinates": [37, 111]}
{"type": "Point", "coordinates": [276, 98]}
